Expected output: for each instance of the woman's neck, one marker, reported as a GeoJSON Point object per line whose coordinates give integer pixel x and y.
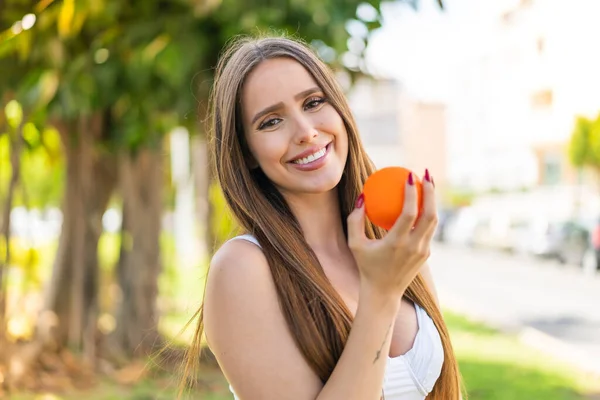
{"type": "Point", "coordinates": [319, 216]}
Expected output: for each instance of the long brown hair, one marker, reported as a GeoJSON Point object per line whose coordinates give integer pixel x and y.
{"type": "Point", "coordinates": [319, 320]}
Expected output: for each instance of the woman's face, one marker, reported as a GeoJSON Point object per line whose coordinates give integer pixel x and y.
{"type": "Point", "coordinates": [294, 134]}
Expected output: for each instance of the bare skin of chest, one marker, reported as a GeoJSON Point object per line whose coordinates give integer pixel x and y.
{"type": "Point", "coordinates": [346, 281]}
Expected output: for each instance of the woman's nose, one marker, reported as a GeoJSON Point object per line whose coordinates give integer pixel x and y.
{"type": "Point", "coordinates": [305, 131]}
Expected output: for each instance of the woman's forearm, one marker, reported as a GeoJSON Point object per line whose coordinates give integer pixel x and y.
{"type": "Point", "coordinates": [360, 370]}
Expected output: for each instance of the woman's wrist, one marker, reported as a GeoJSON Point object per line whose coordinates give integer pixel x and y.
{"type": "Point", "coordinates": [380, 300]}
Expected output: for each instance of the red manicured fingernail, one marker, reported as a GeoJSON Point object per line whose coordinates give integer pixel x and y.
{"type": "Point", "coordinates": [410, 179]}
{"type": "Point", "coordinates": [360, 201]}
{"type": "Point", "coordinates": [427, 176]}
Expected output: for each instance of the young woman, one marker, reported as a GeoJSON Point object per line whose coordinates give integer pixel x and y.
{"type": "Point", "coordinates": [314, 302]}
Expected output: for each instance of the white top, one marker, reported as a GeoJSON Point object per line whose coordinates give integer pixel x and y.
{"type": "Point", "coordinates": [412, 375]}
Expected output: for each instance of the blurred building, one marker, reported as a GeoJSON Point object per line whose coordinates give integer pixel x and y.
{"type": "Point", "coordinates": [514, 104]}
{"type": "Point", "coordinates": [399, 130]}
{"type": "Point", "coordinates": [375, 105]}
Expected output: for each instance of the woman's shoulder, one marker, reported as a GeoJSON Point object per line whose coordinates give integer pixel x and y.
{"type": "Point", "coordinates": [239, 281]}
{"type": "Point", "coordinates": [246, 328]}
{"type": "Point", "coordinates": [239, 256]}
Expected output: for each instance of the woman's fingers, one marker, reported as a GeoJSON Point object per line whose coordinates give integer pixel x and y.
{"type": "Point", "coordinates": [406, 220]}
{"type": "Point", "coordinates": [427, 222]}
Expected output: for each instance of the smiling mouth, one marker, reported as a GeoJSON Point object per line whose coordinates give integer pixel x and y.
{"type": "Point", "coordinates": [313, 157]}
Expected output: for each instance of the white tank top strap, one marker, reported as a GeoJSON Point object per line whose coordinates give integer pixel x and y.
{"type": "Point", "coordinates": [247, 237]}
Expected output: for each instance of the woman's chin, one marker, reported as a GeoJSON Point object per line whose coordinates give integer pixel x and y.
{"type": "Point", "coordinates": [323, 184]}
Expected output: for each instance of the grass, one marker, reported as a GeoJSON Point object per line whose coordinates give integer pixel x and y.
{"type": "Point", "coordinates": [214, 388]}
{"type": "Point", "coordinates": [495, 366]}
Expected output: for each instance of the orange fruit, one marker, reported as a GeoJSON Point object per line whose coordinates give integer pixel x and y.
{"type": "Point", "coordinates": [384, 195]}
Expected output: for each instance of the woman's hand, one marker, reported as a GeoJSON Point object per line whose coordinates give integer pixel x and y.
{"type": "Point", "coordinates": [390, 264]}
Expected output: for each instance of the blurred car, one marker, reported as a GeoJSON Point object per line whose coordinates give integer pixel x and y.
{"type": "Point", "coordinates": [569, 242]}
{"type": "Point", "coordinates": [574, 239]}
{"type": "Point", "coordinates": [460, 228]}
{"type": "Point", "coordinates": [591, 257]}
{"type": "Point", "coordinates": [544, 239]}
{"type": "Point", "coordinates": [444, 219]}
{"type": "Point", "coordinates": [518, 236]}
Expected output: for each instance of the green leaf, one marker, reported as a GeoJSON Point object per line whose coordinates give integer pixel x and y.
{"type": "Point", "coordinates": [593, 155]}
{"type": "Point", "coordinates": [66, 17]}
{"type": "Point", "coordinates": [580, 142]}
{"type": "Point", "coordinates": [31, 135]}
{"type": "Point", "coordinates": [14, 114]}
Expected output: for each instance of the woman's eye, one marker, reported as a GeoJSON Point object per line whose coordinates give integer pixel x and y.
{"type": "Point", "coordinates": [269, 123]}
{"type": "Point", "coordinates": [314, 102]}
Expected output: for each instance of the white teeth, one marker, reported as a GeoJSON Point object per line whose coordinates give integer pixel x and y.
{"type": "Point", "coordinates": [312, 157]}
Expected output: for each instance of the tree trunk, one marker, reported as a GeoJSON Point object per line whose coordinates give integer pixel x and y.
{"type": "Point", "coordinates": [71, 308]}
{"type": "Point", "coordinates": [16, 142]}
{"type": "Point", "coordinates": [202, 179]}
{"type": "Point", "coordinates": [140, 180]}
